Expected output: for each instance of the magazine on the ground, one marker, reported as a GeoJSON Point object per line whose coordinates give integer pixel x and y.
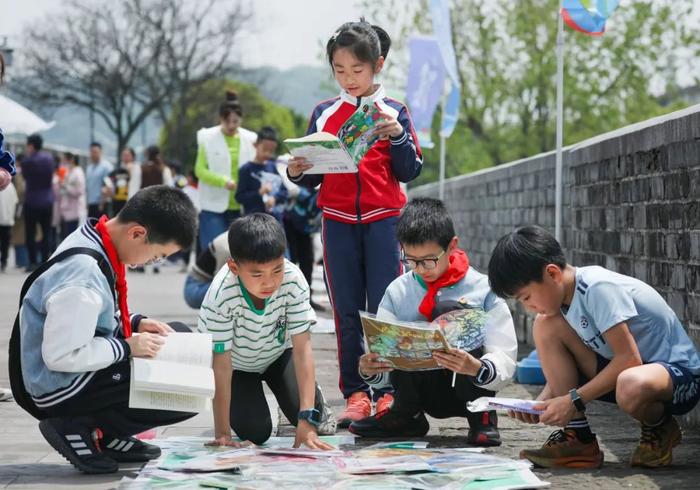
{"type": "Point", "coordinates": [486, 403]}
{"type": "Point", "coordinates": [178, 378]}
{"type": "Point", "coordinates": [301, 452]}
{"type": "Point", "coordinates": [409, 346]}
{"type": "Point", "coordinates": [445, 468]}
{"type": "Point", "coordinates": [377, 465]}
{"type": "Point", "coordinates": [206, 460]}
{"type": "Point", "coordinates": [341, 153]}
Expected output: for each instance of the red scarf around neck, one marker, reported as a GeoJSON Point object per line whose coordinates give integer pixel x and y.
{"type": "Point", "coordinates": [120, 273]}
{"type": "Point", "coordinates": [459, 265]}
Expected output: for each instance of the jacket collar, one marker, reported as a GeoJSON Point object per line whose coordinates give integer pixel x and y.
{"type": "Point", "coordinates": [370, 99]}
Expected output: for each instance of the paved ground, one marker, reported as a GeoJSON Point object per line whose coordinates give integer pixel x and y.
{"type": "Point", "coordinates": [27, 461]}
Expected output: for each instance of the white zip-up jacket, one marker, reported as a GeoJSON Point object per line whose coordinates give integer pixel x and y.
{"type": "Point", "coordinates": [405, 293]}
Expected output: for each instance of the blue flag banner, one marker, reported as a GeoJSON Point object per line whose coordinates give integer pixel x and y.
{"type": "Point", "coordinates": [426, 78]}
{"type": "Point", "coordinates": [442, 29]}
{"type": "Point", "coordinates": [588, 16]}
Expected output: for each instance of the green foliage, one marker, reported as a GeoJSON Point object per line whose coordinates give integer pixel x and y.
{"type": "Point", "coordinates": [506, 53]}
{"type": "Point", "coordinates": [178, 135]}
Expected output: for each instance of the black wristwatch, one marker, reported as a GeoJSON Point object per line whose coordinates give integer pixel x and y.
{"type": "Point", "coordinates": [576, 400]}
{"type": "Point", "coordinates": [312, 416]}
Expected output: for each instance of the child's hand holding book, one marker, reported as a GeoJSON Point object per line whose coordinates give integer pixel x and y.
{"type": "Point", "coordinates": [372, 363]}
{"type": "Point", "coordinates": [145, 344]}
{"type": "Point", "coordinates": [154, 326]}
{"type": "Point", "coordinates": [458, 361]}
{"type": "Point", "coordinates": [389, 127]}
{"type": "Point", "coordinates": [297, 166]}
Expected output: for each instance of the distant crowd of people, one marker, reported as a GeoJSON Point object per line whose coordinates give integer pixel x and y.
{"type": "Point", "coordinates": [235, 173]}
{"type": "Point", "coordinates": [51, 194]}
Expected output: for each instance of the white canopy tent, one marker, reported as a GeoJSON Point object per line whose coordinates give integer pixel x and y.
{"type": "Point", "coordinates": [17, 119]}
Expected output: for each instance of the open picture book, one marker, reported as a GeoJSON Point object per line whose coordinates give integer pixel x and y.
{"type": "Point", "coordinates": [341, 153]}
{"type": "Point", "coordinates": [179, 377]}
{"type": "Point", "coordinates": [409, 346]}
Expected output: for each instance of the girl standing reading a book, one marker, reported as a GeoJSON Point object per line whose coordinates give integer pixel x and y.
{"type": "Point", "coordinates": [360, 210]}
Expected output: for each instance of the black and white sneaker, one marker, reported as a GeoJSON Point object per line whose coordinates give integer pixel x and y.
{"type": "Point", "coordinates": [128, 449]}
{"type": "Point", "coordinates": [75, 441]}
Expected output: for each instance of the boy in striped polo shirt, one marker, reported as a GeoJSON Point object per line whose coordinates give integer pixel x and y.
{"type": "Point", "coordinates": [257, 310]}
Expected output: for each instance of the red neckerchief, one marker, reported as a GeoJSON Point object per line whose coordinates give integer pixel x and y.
{"type": "Point", "coordinates": [120, 272]}
{"type": "Point", "coordinates": [459, 265]}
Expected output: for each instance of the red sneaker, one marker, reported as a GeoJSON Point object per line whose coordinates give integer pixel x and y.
{"type": "Point", "coordinates": [384, 403]}
{"type": "Point", "coordinates": [357, 407]}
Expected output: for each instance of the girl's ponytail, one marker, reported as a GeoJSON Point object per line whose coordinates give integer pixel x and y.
{"type": "Point", "coordinates": [384, 40]}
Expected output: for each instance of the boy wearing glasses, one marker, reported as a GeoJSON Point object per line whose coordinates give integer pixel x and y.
{"type": "Point", "coordinates": [440, 280]}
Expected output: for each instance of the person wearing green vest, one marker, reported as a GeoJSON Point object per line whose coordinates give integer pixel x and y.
{"type": "Point", "coordinates": [221, 150]}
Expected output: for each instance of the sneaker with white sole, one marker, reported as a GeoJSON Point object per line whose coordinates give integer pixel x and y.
{"type": "Point", "coordinates": [328, 424]}
{"type": "Point", "coordinates": [128, 449]}
{"type": "Point", "coordinates": [357, 407]}
{"type": "Point", "coordinates": [6, 395]}
{"type": "Point", "coordinates": [75, 441]}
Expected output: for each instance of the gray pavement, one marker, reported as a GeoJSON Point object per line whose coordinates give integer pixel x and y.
{"type": "Point", "coordinates": [27, 461]}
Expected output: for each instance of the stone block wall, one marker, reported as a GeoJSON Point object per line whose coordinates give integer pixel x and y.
{"type": "Point", "coordinates": [631, 203]}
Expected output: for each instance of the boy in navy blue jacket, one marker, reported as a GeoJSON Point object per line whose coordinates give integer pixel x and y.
{"type": "Point", "coordinates": [260, 187]}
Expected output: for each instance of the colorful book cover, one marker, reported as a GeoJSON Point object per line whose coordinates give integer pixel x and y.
{"type": "Point", "coordinates": [464, 328]}
{"type": "Point", "coordinates": [407, 346]}
{"type": "Point", "coordinates": [339, 153]}
{"type": "Point", "coordinates": [358, 134]}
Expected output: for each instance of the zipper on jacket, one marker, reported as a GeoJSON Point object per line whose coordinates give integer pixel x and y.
{"type": "Point", "coordinates": [357, 177]}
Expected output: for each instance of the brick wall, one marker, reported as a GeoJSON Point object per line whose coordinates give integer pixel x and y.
{"type": "Point", "coordinates": [631, 203]}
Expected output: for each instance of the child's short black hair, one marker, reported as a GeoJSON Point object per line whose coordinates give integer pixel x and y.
{"type": "Point", "coordinates": [257, 237]}
{"type": "Point", "coordinates": [520, 258]}
{"type": "Point", "coordinates": [366, 41]}
{"type": "Point", "coordinates": [167, 214]}
{"type": "Point", "coordinates": [36, 141]}
{"type": "Point", "coordinates": [425, 220]}
{"type": "Point", "coordinates": [267, 133]}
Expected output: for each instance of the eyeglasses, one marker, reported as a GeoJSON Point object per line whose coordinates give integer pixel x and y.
{"type": "Point", "coordinates": [427, 264]}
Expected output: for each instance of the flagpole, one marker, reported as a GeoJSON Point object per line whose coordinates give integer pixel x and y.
{"type": "Point", "coordinates": [560, 127]}
{"type": "Point", "coordinates": [441, 192]}
{"type": "Point", "coordinates": [443, 140]}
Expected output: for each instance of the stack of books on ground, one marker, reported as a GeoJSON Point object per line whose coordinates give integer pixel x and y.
{"type": "Point", "coordinates": [187, 463]}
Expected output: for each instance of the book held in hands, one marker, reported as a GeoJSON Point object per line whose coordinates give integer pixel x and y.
{"type": "Point", "coordinates": [409, 346]}
{"type": "Point", "coordinates": [179, 377]}
{"type": "Point", "coordinates": [341, 153]}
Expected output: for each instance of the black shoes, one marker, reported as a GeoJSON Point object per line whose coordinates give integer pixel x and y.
{"type": "Point", "coordinates": [128, 449]}
{"type": "Point", "coordinates": [88, 451]}
{"type": "Point", "coordinates": [391, 424]}
{"type": "Point", "coordinates": [483, 429]}
{"type": "Point", "coordinates": [76, 442]}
